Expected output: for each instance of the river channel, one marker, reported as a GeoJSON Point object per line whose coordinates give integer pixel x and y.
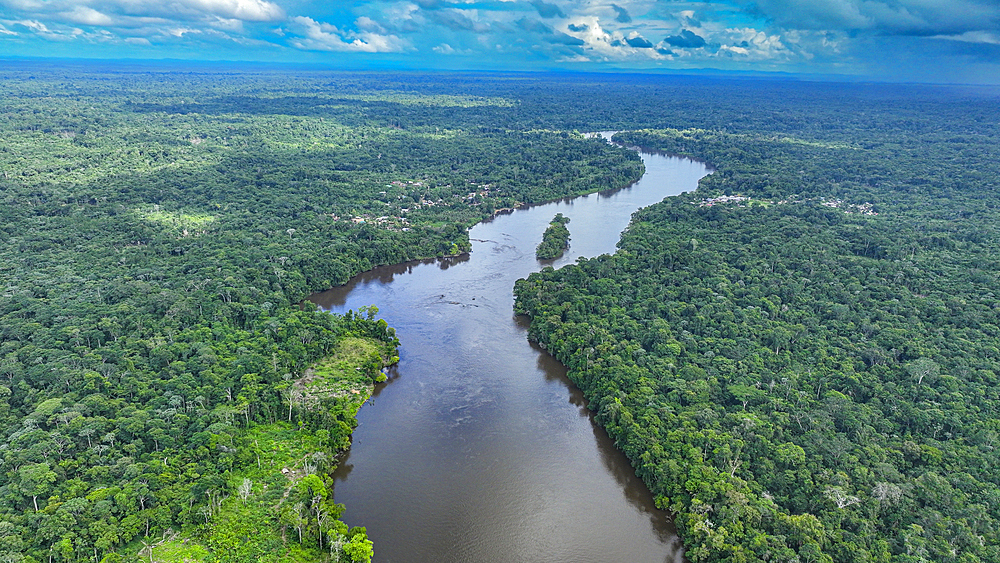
{"type": "Point", "coordinates": [478, 449]}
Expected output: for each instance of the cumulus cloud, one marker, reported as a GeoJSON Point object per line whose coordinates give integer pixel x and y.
{"type": "Point", "coordinates": [368, 24]}
{"type": "Point", "coordinates": [246, 10]}
{"type": "Point", "coordinates": [86, 16]}
{"type": "Point", "coordinates": [753, 44]}
{"type": "Point", "coordinates": [686, 40]}
{"type": "Point", "coordinates": [512, 32]}
{"type": "Point", "coordinates": [621, 14]}
{"type": "Point", "coordinates": [638, 41]}
{"type": "Point", "coordinates": [734, 50]}
{"type": "Point", "coordinates": [614, 45]}
{"type": "Point", "coordinates": [320, 36]}
{"type": "Point", "coordinates": [116, 20]}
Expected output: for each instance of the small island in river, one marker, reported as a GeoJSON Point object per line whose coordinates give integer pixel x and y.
{"type": "Point", "coordinates": [555, 239]}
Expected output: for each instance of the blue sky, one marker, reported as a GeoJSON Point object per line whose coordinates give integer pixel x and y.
{"type": "Point", "coordinates": [906, 40]}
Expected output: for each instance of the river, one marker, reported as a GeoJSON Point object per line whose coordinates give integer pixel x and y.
{"type": "Point", "coordinates": [478, 449]}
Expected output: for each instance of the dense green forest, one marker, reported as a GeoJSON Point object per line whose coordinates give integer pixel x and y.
{"type": "Point", "coordinates": [555, 239]}
{"type": "Point", "coordinates": [159, 232]}
{"type": "Point", "coordinates": [801, 357]}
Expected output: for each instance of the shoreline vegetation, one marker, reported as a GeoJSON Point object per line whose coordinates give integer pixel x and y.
{"type": "Point", "coordinates": [280, 507]}
{"type": "Point", "coordinates": [776, 354]}
{"type": "Point", "coordinates": [160, 230]}
{"type": "Point", "coordinates": [555, 239]}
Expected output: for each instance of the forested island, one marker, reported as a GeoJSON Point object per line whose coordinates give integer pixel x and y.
{"type": "Point", "coordinates": [555, 239]}
{"type": "Point", "coordinates": [800, 358]}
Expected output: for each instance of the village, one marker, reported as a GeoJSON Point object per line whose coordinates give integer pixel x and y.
{"type": "Point", "coordinates": [399, 221]}
{"type": "Point", "coordinates": [744, 201]}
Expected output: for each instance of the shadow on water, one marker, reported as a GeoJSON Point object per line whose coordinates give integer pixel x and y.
{"type": "Point", "coordinates": [614, 460]}
{"type": "Point", "coordinates": [555, 372]}
{"type": "Point", "coordinates": [618, 465]}
{"type": "Point", "coordinates": [391, 374]}
{"type": "Point", "coordinates": [335, 298]}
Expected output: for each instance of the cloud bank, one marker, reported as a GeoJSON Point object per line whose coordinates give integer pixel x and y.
{"type": "Point", "coordinates": [855, 36]}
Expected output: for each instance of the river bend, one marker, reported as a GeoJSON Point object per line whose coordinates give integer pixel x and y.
{"type": "Point", "coordinates": [478, 449]}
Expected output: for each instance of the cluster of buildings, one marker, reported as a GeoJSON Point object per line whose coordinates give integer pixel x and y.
{"type": "Point", "coordinates": [743, 201]}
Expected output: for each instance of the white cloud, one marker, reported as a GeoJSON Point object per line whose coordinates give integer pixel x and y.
{"type": "Point", "coordinates": [246, 10]}
{"type": "Point", "coordinates": [611, 45]}
{"type": "Point", "coordinates": [107, 12]}
{"type": "Point", "coordinates": [227, 24]}
{"type": "Point", "coordinates": [401, 12]}
{"type": "Point", "coordinates": [161, 22]}
{"type": "Point", "coordinates": [754, 44]}
{"type": "Point", "coordinates": [182, 31]}
{"type": "Point", "coordinates": [42, 30]}
{"type": "Point", "coordinates": [86, 16]}
{"type": "Point", "coordinates": [23, 5]}
{"type": "Point", "coordinates": [444, 49]}
{"type": "Point", "coordinates": [138, 41]}
{"type": "Point", "coordinates": [588, 28]}
{"type": "Point", "coordinates": [983, 37]}
{"type": "Point", "coordinates": [734, 50]}
{"type": "Point", "coordinates": [321, 36]}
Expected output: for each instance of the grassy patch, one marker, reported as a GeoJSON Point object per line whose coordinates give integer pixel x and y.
{"type": "Point", "coordinates": [347, 374]}
{"type": "Point", "coordinates": [184, 223]}
{"type": "Point", "coordinates": [179, 551]}
{"type": "Point", "coordinates": [283, 466]}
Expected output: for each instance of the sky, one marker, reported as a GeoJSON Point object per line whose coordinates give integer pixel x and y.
{"type": "Point", "coordinates": [894, 40]}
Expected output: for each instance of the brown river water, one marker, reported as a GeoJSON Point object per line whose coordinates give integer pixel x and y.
{"type": "Point", "coordinates": [479, 449]}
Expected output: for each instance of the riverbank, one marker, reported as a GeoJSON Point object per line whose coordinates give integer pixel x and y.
{"type": "Point", "coordinates": [476, 403]}
{"type": "Point", "coordinates": [282, 508]}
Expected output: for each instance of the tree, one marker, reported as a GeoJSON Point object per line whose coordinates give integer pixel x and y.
{"type": "Point", "coordinates": [359, 548]}
{"type": "Point", "coordinates": [922, 368]}
{"type": "Point", "coordinates": [245, 490]}
{"type": "Point", "coordinates": [35, 480]}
